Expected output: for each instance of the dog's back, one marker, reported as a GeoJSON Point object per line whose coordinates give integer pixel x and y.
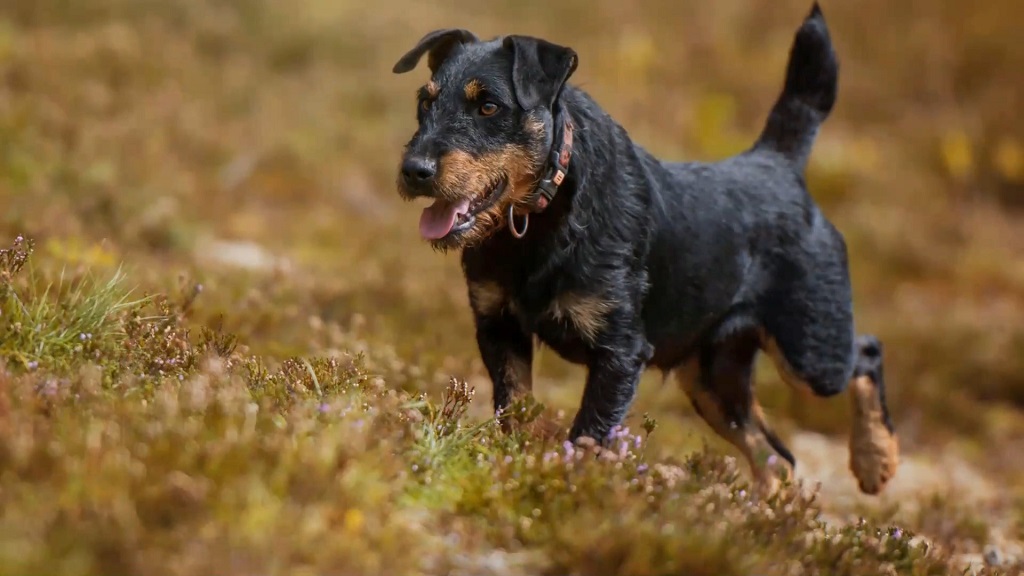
{"type": "Point", "coordinates": [749, 211]}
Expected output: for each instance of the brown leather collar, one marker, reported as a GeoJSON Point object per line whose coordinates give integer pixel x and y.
{"type": "Point", "coordinates": [557, 169]}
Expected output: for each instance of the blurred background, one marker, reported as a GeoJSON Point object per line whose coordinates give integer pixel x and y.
{"type": "Point", "coordinates": [251, 146]}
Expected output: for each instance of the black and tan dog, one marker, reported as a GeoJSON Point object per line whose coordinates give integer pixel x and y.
{"type": "Point", "coordinates": [572, 233]}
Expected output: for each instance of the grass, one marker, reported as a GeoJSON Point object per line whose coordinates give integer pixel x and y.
{"type": "Point", "coordinates": [224, 350]}
{"type": "Point", "coordinates": [171, 454]}
{"type": "Point", "coordinates": [65, 323]}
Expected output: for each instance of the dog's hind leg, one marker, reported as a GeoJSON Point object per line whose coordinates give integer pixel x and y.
{"type": "Point", "coordinates": [719, 383]}
{"type": "Point", "coordinates": [874, 448]}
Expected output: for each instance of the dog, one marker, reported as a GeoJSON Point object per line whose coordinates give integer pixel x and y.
{"type": "Point", "coordinates": [572, 233]}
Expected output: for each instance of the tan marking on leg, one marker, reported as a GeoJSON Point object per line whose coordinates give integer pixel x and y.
{"type": "Point", "coordinates": [782, 366]}
{"type": "Point", "coordinates": [586, 312]}
{"type": "Point", "coordinates": [519, 381]}
{"type": "Point", "coordinates": [432, 89]}
{"type": "Point", "coordinates": [518, 377]}
{"type": "Point", "coordinates": [778, 467]}
{"type": "Point", "coordinates": [748, 438]}
{"type": "Point", "coordinates": [687, 375]}
{"type": "Point", "coordinates": [874, 451]}
{"type": "Point", "coordinates": [487, 298]}
{"type": "Point", "coordinates": [473, 89]}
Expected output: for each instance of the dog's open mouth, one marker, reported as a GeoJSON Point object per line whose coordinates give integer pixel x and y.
{"type": "Point", "coordinates": [444, 218]}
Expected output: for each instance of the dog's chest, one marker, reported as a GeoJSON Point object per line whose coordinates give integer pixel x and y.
{"type": "Point", "coordinates": [566, 323]}
{"type": "Point", "coordinates": [548, 302]}
{"type": "Point", "coordinates": [561, 335]}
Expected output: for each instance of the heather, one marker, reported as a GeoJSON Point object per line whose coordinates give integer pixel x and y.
{"type": "Point", "coordinates": [224, 350]}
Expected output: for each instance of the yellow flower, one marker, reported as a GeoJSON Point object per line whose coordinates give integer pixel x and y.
{"type": "Point", "coordinates": [1008, 159]}
{"type": "Point", "coordinates": [353, 520]}
{"type": "Point", "coordinates": [72, 251]}
{"type": "Point", "coordinates": [956, 154]}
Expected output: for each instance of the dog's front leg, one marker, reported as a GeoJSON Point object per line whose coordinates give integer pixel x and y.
{"type": "Point", "coordinates": [614, 370]}
{"type": "Point", "coordinates": [507, 353]}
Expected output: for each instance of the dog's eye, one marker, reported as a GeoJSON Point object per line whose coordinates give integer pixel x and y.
{"type": "Point", "coordinates": [488, 109]}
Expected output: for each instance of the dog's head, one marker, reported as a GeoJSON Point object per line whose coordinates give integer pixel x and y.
{"type": "Point", "coordinates": [484, 129]}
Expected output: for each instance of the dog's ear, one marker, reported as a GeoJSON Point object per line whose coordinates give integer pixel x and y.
{"type": "Point", "coordinates": [439, 44]}
{"type": "Point", "coordinates": [539, 69]}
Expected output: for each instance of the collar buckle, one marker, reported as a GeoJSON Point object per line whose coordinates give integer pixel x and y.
{"type": "Point", "coordinates": [558, 168]}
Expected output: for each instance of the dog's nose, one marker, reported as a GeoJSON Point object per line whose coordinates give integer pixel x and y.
{"type": "Point", "coordinates": [418, 170]}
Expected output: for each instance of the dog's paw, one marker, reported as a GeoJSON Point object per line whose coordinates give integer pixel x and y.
{"type": "Point", "coordinates": [874, 449]}
{"type": "Point", "coordinates": [542, 425]}
{"type": "Point", "coordinates": [771, 474]}
{"type": "Point", "coordinates": [875, 465]}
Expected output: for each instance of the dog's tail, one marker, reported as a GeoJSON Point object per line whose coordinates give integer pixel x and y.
{"type": "Point", "coordinates": [808, 95]}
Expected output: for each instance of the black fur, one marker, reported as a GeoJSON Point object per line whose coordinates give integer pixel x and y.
{"type": "Point", "coordinates": [539, 70]}
{"type": "Point", "coordinates": [869, 363]}
{"type": "Point", "coordinates": [437, 45]}
{"type": "Point", "coordinates": [693, 261]}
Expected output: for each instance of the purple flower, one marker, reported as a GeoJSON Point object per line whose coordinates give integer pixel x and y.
{"type": "Point", "coordinates": [570, 451]}
{"type": "Point", "coordinates": [33, 365]}
{"type": "Point", "coordinates": [897, 533]}
{"type": "Point", "coordinates": [617, 432]}
{"type": "Point", "coordinates": [772, 460]}
{"type": "Point", "coordinates": [508, 459]}
{"type": "Point", "coordinates": [324, 408]}
{"type": "Point", "coordinates": [641, 469]}
{"type": "Point", "coordinates": [49, 388]}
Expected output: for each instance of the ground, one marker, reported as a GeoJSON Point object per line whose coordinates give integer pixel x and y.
{"type": "Point", "coordinates": [223, 348]}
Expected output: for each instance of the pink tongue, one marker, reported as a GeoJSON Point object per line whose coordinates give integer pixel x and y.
{"type": "Point", "coordinates": [438, 218]}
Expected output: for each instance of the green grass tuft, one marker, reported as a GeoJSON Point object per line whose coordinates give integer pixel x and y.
{"type": "Point", "coordinates": [57, 324]}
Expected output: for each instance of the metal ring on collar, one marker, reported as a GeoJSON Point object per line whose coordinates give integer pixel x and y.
{"type": "Point", "coordinates": [512, 222]}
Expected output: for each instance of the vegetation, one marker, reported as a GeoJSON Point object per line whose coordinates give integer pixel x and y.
{"type": "Point", "coordinates": [223, 349]}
